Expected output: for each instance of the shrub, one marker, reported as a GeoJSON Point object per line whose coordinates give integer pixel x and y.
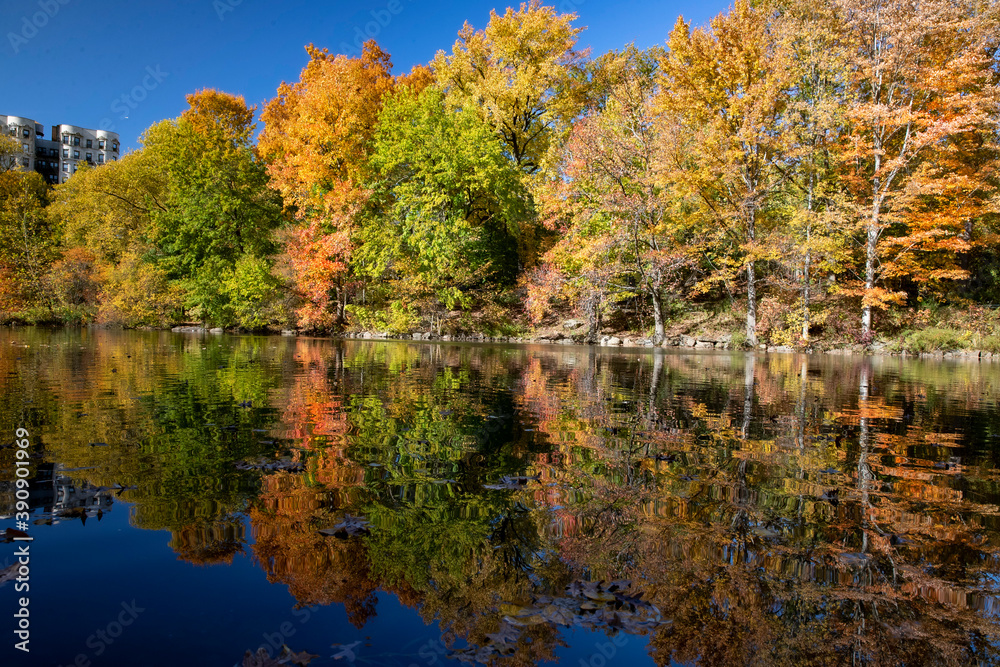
{"type": "Point", "coordinates": [933, 339]}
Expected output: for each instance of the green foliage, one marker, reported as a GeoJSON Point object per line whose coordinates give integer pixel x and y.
{"type": "Point", "coordinates": [252, 290]}
{"type": "Point", "coordinates": [452, 200]}
{"type": "Point", "coordinates": [138, 292]}
{"type": "Point", "coordinates": [395, 318]}
{"type": "Point", "coordinates": [739, 340]}
{"type": "Point", "coordinates": [28, 241]}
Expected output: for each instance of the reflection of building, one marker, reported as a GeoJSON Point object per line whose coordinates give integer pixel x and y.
{"type": "Point", "coordinates": [55, 494]}
{"type": "Point", "coordinates": [57, 158]}
{"type": "Point", "coordinates": [68, 495]}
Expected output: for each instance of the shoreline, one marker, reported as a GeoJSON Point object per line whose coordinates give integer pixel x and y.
{"type": "Point", "coordinates": [688, 343]}
{"type": "Point", "coordinates": [700, 343]}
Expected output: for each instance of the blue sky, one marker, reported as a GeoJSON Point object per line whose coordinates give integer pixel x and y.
{"type": "Point", "coordinates": [92, 63]}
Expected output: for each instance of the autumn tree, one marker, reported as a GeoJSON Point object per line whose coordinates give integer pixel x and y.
{"type": "Point", "coordinates": [525, 78]}
{"type": "Point", "coordinates": [726, 87]}
{"type": "Point", "coordinates": [818, 239]}
{"type": "Point", "coordinates": [10, 152]}
{"type": "Point", "coordinates": [215, 230]}
{"type": "Point", "coordinates": [27, 241]}
{"type": "Point", "coordinates": [106, 220]}
{"type": "Point", "coordinates": [317, 140]}
{"type": "Point", "coordinates": [452, 201]}
{"type": "Point", "coordinates": [921, 75]}
{"type": "Point", "coordinates": [616, 221]}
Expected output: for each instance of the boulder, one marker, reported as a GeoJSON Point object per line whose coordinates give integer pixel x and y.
{"type": "Point", "coordinates": [688, 341]}
{"type": "Point", "coordinates": [217, 330]}
{"type": "Point", "coordinates": [573, 324]}
{"type": "Point", "coordinates": [704, 345]}
{"type": "Point", "coordinates": [189, 330]}
{"type": "Point", "coordinates": [614, 340]}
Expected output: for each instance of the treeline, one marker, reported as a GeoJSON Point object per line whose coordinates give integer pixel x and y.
{"type": "Point", "coordinates": [815, 166]}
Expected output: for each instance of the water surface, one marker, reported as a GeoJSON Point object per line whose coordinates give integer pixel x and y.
{"type": "Point", "coordinates": [388, 503]}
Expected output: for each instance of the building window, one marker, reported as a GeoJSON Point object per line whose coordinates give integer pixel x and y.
{"type": "Point", "coordinates": [100, 144]}
{"type": "Point", "coordinates": [76, 155]}
{"type": "Point", "coordinates": [100, 158]}
{"type": "Point", "coordinates": [26, 149]}
{"type": "Point", "coordinates": [65, 152]}
{"type": "Point", "coordinates": [76, 141]}
{"type": "Point", "coordinates": [65, 166]}
{"type": "Point", "coordinates": [27, 133]}
{"type": "Point", "coordinates": [13, 131]}
{"type": "Point", "coordinates": [90, 157]}
{"type": "Point", "coordinates": [66, 139]}
{"type": "Point", "coordinates": [114, 146]}
{"type": "Point", "coordinates": [25, 162]}
{"type": "Point", "coordinates": [90, 143]}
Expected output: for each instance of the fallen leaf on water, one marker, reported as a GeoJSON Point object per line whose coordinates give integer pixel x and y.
{"type": "Point", "coordinates": [508, 482]}
{"type": "Point", "coordinates": [262, 658]}
{"type": "Point", "coordinates": [11, 533]}
{"type": "Point", "coordinates": [351, 526]}
{"type": "Point", "coordinates": [854, 560]}
{"type": "Point", "coordinates": [8, 574]}
{"type": "Point", "coordinates": [534, 619]}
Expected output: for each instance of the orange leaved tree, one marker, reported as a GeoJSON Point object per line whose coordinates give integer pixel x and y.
{"type": "Point", "coordinates": [317, 139]}
{"type": "Point", "coordinates": [922, 79]}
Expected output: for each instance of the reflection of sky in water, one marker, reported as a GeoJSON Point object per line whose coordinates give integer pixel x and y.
{"type": "Point", "coordinates": [760, 508]}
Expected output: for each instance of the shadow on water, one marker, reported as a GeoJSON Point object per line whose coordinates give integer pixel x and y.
{"type": "Point", "coordinates": [726, 508]}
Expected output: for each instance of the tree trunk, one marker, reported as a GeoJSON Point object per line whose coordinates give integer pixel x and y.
{"type": "Point", "coordinates": [593, 318]}
{"type": "Point", "coordinates": [751, 284]}
{"type": "Point", "coordinates": [341, 306]}
{"type": "Point", "coordinates": [659, 332]}
{"type": "Point", "coordinates": [870, 258]}
{"type": "Point", "coordinates": [872, 241]}
{"type": "Point", "coordinates": [805, 295]}
{"type": "Point", "coordinates": [751, 305]}
{"type": "Point", "coordinates": [807, 264]}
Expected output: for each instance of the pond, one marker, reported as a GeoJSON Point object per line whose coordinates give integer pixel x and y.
{"type": "Point", "coordinates": [192, 497]}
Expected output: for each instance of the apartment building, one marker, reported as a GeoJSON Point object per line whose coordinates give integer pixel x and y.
{"type": "Point", "coordinates": [68, 146]}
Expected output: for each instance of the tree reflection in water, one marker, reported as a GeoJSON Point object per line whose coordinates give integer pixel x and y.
{"type": "Point", "coordinates": [731, 509]}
